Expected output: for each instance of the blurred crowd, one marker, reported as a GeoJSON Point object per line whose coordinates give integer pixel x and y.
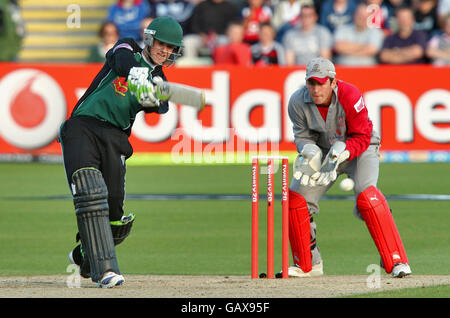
{"type": "Point", "coordinates": [12, 29]}
{"type": "Point", "coordinates": [291, 32]}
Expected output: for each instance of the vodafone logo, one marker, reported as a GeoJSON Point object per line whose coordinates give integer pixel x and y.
{"type": "Point", "coordinates": [32, 108]}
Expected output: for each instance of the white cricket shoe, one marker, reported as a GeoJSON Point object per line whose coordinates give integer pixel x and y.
{"type": "Point", "coordinates": [110, 279]}
{"type": "Point", "coordinates": [296, 271]}
{"type": "Point", "coordinates": [401, 270]}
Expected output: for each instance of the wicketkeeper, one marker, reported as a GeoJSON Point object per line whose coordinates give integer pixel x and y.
{"type": "Point", "coordinates": [95, 144]}
{"type": "Point", "coordinates": [334, 135]}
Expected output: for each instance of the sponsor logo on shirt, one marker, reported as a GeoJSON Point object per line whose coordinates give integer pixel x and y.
{"type": "Point", "coordinates": [120, 85]}
{"type": "Point", "coordinates": [359, 106]}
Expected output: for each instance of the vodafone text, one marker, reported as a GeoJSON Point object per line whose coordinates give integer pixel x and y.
{"type": "Point", "coordinates": [417, 116]}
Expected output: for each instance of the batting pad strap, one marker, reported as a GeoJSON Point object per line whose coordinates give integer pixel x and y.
{"type": "Point", "coordinates": [92, 211]}
{"type": "Point", "coordinates": [375, 211]}
{"type": "Point", "coordinates": [300, 231]}
{"type": "Point", "coordinates": [122, 228]}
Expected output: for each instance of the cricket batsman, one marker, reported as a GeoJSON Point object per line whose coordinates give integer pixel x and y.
{"type": "Point", "coordinates": [95, 146]}
{"type": "Point", "coordinates": [334, 135]}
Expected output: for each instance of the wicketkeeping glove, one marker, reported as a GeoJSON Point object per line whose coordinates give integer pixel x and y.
{"type": "Point", "coordinates": [307, 165]}
{"type": "Point", "coordinates": [336, 155]}
{"type": "Point", "coordinates": [141, 87]}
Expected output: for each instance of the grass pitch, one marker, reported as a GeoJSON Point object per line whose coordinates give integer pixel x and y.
{"type": "Point", "coordinates": [212, 237]}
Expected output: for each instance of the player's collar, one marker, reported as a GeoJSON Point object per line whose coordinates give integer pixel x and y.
{"type": "Point", "coordinates": [147, 61]}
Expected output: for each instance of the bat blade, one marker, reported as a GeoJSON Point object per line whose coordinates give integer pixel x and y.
{"type": "Point", "coordinates": [181, 94]}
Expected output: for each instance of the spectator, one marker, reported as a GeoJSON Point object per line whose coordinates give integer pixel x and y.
{"type": "Point", "coordinates": [317, 4]}
{"type": "Point", "coordinates": [144, 24]}
{"type": "Point", "coordinates": [392, 6]}
{"type": "Point", "coordinates": [336, 12]}
{"type": "Point", "coordinates": [438, 49]}
{"type": "Point", "coordinates": [12, 30]}
{"type": "Point", "coordinates": [236, 52]}
{"type": "Point", "coordinates": [180, 10]}
{"type": "Point", "coordinates": [127, 15]}
{"type": "Point", "coordinates": [443, 8]}
{"type": "Point", "coordinates": [378, 15]}
{"type": "Point", "coordinates": [308, 40]}
{"type": "Point", "coordinates": [425, 14]}
{"type": "Point", "coordinates": [109, 35]}
{"type": "Point", "coordinates": [240, 4]}
{"type": "Point", "coordinates": [267, 51]}
{"type": "Point", "coordinates": [255, 13]}
{"type": "Point", "coordinates": [406, 46]}
{"type": "Point", "coordinates": [291, 19]}
{"type": "Point", "coordinates": [281, 31]}
{"type": "Point", "coordinates": [209, 22]}
{"type": "Point", "coordinates": [286, 11]}
{"type": "Point", "coordinates": [357, 43]}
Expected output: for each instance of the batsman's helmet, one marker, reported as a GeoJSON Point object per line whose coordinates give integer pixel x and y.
{"type": "Point", "coordinates": [167, 30]}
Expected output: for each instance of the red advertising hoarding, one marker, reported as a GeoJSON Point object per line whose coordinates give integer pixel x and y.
{"type": "Point", "coordinates": [246, 108]}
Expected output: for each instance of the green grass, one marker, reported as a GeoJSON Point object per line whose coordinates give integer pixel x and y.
{"type": "Point", "coordinates": [213, 237]}
{"type": "Point", "coordinates": [440, 291]}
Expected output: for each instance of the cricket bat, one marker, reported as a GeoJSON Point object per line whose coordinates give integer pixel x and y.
{"type": "Point", "coordinates": [180, 94]}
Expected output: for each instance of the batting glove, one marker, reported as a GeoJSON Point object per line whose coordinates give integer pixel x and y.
{"type": "Point", "coordinates": [141, 87]}
{"type": "Point", "coordinates": [137, 77]}
{"type": "Point", "coordinates": [307, 165]}
{"type": "Point", "coordinates": [336, 155]}
{"type": "Point", "coordinates": [157, 79]}
{"type": "Point", "coordinates": [146, 95]}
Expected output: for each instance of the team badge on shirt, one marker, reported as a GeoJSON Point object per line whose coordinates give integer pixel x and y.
{"type": "Point", "coordinates": [120, 85]}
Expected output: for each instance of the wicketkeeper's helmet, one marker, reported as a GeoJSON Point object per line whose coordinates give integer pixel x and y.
{"type": "Point", "coordinates": [167, 30]}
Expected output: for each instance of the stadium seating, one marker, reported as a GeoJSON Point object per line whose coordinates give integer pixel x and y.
{"type": "Point", "coordinates": [52, 32]}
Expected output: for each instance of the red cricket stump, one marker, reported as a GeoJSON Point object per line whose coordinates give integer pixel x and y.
{"type": "Point", "coordinates": [285, 216]}
{"type": "Point", "coordinates": [270, 215]}
{"type": "Point", "coordinates": [255, 203]}
{"type": "Point", "coordinates": [270, 218]}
